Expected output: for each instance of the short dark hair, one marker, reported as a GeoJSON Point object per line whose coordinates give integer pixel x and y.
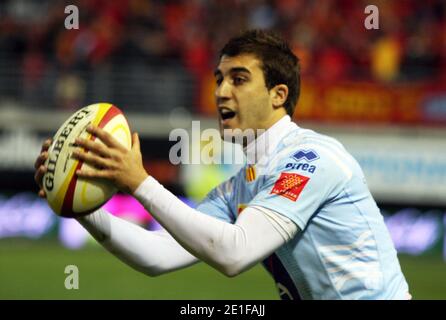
{"type": "Point", "coordinates": [279, 64]}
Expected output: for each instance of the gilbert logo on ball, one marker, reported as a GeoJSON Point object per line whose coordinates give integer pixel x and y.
{"type": "Point", "coordinates": [67, 194]}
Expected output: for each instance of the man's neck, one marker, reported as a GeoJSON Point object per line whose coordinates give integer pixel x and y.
{"type": "Point", "coordinates": [264, 143]}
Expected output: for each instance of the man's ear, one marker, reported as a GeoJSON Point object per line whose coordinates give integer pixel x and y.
{"type": "Point", "coordinates": [279, 94]}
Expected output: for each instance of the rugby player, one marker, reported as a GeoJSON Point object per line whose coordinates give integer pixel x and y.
{"type": "Point", "coordinates": [302, 209]}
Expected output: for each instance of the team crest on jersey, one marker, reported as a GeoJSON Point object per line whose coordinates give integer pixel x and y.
{"type": "Point", "coordinates": [250, 173]}
{"type": "Point", "coordinates": [290, 185]}
{"type": "Point", "coordinates": [307, 155]}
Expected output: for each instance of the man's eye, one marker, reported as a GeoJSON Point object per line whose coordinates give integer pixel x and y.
{"type": "Point", "coordinates": [218, 81]}
{"type": "Point", "coordinates": [238, 80]}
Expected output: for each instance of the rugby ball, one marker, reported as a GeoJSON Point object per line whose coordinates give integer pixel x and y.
{"type": "Point", "coordinates": [67, 194]}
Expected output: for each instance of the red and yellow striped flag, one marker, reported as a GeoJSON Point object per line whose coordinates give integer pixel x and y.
{"type": "Point", "coordinates": [250, 174]}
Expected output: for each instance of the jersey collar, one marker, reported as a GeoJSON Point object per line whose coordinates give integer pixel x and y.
{"type": "Point", "coordinates": [260, 149]}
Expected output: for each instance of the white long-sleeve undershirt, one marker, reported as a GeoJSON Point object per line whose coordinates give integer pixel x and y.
{"type": "Point", "coordinates": [230, 248]}
{"type": "Point", "coordinates": [150, 252]}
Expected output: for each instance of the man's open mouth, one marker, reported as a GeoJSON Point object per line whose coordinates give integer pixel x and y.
{"type": "Point", "coordinates": [226, 113]}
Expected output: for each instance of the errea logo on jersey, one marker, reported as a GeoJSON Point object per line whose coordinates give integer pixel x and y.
{"type": "Point", "coordinates": [301, 166]}
{"type": "Point", "coordinates": [307, 155]}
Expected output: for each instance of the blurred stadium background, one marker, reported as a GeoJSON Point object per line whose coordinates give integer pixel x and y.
{"type": "Point", "coordinates": [380, 92]}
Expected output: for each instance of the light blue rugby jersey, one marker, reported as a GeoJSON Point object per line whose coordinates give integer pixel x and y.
{"type": "Point", "coordinates": [344, 250]}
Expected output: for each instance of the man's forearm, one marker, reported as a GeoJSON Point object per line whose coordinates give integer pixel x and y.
{"type": "Point", "coordinates": [152, 253]}
{"type": "Point", "coordinates": [230, 248]}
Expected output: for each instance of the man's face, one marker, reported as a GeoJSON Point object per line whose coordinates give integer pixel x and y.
{"type": "Point", "coordinates": [242, 99]}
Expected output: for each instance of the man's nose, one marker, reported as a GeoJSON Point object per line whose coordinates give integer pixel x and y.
{"type": "Point", "coordinates": [223, 90]}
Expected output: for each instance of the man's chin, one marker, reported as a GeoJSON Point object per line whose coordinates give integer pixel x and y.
{"type": "Point", "coordinates": [225, 134]}
{"type": "Point", "coordinates": [226, 129]}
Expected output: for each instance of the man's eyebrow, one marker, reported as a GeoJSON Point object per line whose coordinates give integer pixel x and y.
{"type": "Point", "coordinates": [239, 69]}
{"type": "Point", "coordinates": [218, 72]}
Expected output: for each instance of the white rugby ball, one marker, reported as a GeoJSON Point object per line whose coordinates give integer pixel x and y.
{"type": "Point", "coordinates": [67, 194]}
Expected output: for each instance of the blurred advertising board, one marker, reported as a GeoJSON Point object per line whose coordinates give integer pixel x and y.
{"type": "Point", "coordinates": [362, 102]}
{"type": "Point", "coordinates": [401, 168]}
{"type": "Point", "coordinates": [24, 215]}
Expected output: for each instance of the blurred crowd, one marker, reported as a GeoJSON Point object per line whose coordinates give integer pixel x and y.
{"type": "Point", "coordinates": [328, 36]}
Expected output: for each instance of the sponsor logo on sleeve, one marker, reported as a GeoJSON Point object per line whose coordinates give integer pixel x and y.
{"type": "Point", "coordinates": [290, 185]}
{"type": "Point", "coordinates": [307, 155]}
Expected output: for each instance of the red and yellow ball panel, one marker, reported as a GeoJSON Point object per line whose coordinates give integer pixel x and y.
{"type": "Point", "coordinates": [67, 194]}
